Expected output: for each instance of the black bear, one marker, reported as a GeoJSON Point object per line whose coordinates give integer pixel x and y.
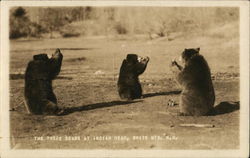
{"type": "Point", "coordinates": [129, 86]}
{"type": "Point", "coordinates": [197, 97]}
{"type": "Point", "coordinates": [38, 92]}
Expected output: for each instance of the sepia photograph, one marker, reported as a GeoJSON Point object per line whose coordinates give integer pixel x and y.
{"type": "Point", "coordinates": [129, 77]}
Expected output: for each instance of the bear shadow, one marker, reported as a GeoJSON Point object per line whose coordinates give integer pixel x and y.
{"type": "Point", "coordinates": [21, 77]}
{"type": "Point", "coordinates": [64, 78]}
{"type": "Point", "coordinates": [70, 110]}
{"type": "Point", "coordinates": [225, 107]}
{"type": "Point", "coordinates": [161, 93]}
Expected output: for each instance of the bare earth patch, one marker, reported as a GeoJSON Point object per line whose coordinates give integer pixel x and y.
{"type": "Point", "coordinates": [99, 120]}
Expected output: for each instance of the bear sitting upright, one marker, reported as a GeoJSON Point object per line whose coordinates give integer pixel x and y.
{"type": "Point", "coordinates": [129, 86]}
{"type": "Point", "coordinates": [38, 92]}
{"type": "Point", "coordinates": [197, 97]}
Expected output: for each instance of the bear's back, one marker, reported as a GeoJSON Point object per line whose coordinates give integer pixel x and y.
{"type": "Point", "coordinates": [37, 69]}
{"type": "Point", "coordinates": [199, 75]}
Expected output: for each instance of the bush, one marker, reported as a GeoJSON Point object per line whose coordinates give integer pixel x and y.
{"type": "Point", "coordinates": [120, 29]}
{"type": "Point", "coordinates": [21, 26]}
{"type": "Point", "coordinates": [70, 30]}
{"type": "Point", "coordinates": [19, 23]}
{"type": "Point", "coordinates": [36, 30]}
{"type": "Point", "coordinates": [70, 34]}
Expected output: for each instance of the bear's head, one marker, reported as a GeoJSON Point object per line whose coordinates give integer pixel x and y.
{"type": "Point", "coordinates": [43, 67]}
{"type": "Point", "coordinates": [42, 57]}
{"type": "Point", "coordinates": [187, 54]}
{"type": "Point", "coordinates": [134, 59]}
{"type": "Point", "coordinates": [134, 64]}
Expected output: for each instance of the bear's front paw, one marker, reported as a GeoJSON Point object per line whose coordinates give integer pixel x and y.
{"type": "Point", "coordinates": [174, 63]}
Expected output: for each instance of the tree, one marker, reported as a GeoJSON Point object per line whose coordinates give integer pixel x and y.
{"type": "Point", "coordinates": [53, 19]}
{"type": "Point", "coordinates": [19, 12]}
{"type": "Point", "coordinates": [19, 23]}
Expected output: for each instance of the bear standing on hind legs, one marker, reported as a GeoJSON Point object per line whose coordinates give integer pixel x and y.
{"type": "Point", "coordinates": [197, 97]}
{"type": "Point", "coordinates": [38, 92]}
{"type": "Point", "coordinates": [129, 86]}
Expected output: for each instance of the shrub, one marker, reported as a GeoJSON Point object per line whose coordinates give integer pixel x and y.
{"type": "Point", "coordinates": [21, 26]}
{"type": "Point", "coordinates": [70, 34]}
{"type": "Point", "coordinates": [120, 29]}
{"type": "Point", "coordinates": [19, 23]}
{"type": "Point", "coordinates": [70, 30]}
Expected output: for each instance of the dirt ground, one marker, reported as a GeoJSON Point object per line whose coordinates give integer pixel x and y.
{"type": "Point", "coordinates": [99, 120]}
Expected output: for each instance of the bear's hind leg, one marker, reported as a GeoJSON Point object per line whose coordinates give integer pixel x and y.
{"type": "Point", "coordinates": [33, 106]}
{"type": "Point", "coordinates": [186, 107]}
{"type": "Point", "coordinates": [137, 92]}
{"type": "Point", "coordinates": [125, 94]}
{"type": "Point", "coordinates": [50, 108]}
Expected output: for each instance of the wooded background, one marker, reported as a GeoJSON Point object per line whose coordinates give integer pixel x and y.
{"type": "Point", "coordinates": [92, 21]}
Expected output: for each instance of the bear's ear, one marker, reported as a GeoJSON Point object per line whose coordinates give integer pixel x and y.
{"type": "Point", "coordinates": [198, 49]}
{"type": "Point", "coordinates": [185, 49]}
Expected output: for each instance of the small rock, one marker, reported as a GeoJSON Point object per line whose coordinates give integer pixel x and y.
{"type": "Point", "coordinates": [99, 72]}
{"type": "Point", "coordinates": [12, 109]}
{"type": "Point", "coordinates": [171, 102]}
